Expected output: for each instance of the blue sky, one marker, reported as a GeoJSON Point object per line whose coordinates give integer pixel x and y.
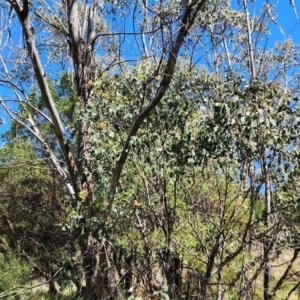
{"type": "Point", "coordinates": [287, 20]}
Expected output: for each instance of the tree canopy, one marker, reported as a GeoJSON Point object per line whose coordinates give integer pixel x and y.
{"type": "Point", "coordinates": [153, 148]}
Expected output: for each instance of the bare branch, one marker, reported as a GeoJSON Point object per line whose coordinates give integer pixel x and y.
{"type": "Point", "coordinates": [294, 7]}
{"type": "Point", "coordinates": [249, 41]}
{"type": "Point", "coordinates": [43, 85]}
{"type": "Point", "coordinates": [286, 272]}
{"type": "Point", "coordinates": [36, 133]}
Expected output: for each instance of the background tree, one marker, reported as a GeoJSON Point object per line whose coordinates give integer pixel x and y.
{"type": "Point", "coordinates": [33, 209]}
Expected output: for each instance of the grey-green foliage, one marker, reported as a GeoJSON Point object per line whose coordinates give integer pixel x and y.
{"type": "Point", "coordinates": [201, 137]}
{"type": "Point", "coordinates": [192, 188]}
{"type": "Point", "coordinates": [204, 137]}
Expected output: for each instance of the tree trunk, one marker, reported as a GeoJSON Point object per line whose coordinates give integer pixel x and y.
{"type": "Point", "coordinates": [93, 262]}
{"type": "Point", "coordinates": [111, 283]}
{"type": "Point", "coordinates": [124, 270]}
{"type": "Point", "coordinates": [188, 285]}
{"type": "Point", "coordinates": [220, 277]}
{"type": "Point", "coordinates": [174, 277]}
{"type": "Point", "coordinates": [52, 289]}
{"type": "Point", "coordinates": [266, 243]}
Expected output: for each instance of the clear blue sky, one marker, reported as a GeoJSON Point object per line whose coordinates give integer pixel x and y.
{"type": "Point", "coordinates": [287, 20]}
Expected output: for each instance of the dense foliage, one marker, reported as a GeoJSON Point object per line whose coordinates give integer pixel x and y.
{"type": "Point", "coordinates": [172, 173]}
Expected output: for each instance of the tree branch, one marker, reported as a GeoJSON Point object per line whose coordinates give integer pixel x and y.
{"type": "Point", "coordinates": [36, 133]}
{"type": "Point", "coordinates": [187, 21]}
{"type": "Point", "coordinates": [43, 85]}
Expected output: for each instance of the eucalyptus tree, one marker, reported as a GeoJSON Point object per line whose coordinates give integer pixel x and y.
{"type": "Point", "coordinates": [268, 91]}
{"type": "Point", "coordinates": [77, 28]}
{"type": "Point", "coordinates": [95, 44]}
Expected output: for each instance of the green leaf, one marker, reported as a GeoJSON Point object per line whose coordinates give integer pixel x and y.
{"type": "Point", "coordinates": [165, 288]}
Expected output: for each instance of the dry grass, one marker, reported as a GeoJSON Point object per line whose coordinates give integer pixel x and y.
{"type": "Point", "coordinates": [278, 268]}
{"type": "Point", "coordinates": [41, 285]}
